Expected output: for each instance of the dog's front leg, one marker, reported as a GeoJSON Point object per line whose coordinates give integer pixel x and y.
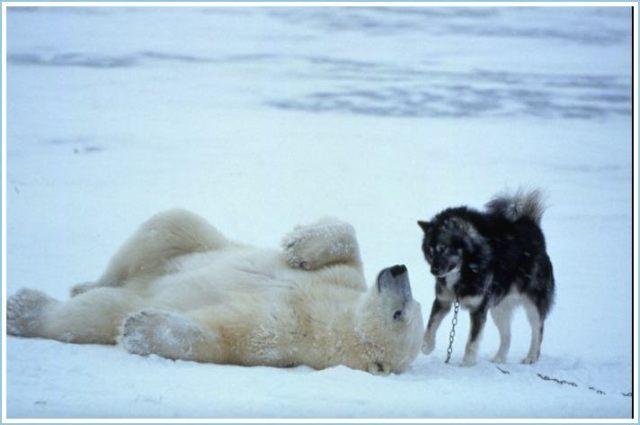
{"type": "Point", "coordinates": [441, 307]}
{"type": "Point", "coordinates": [478, 318]}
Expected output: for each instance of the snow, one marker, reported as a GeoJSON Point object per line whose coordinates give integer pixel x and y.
{"type": "Point", "coordinates": [263, 119]}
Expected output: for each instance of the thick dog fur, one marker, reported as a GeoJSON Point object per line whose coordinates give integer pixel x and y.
{"type": "Point", "coordinates": [491, 261]}
{"type": "Point", "coordinates": [179, 289]}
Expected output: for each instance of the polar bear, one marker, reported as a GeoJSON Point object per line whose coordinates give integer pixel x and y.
{"type": "Point", "coordinates": [179, 289]}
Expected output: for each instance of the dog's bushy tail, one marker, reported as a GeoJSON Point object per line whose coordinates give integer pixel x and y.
{"type": "Point", "coordinates": [521, 204]}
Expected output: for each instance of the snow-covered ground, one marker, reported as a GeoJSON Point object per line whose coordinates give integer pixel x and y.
{"type": "Point", "coordinates": [261, 119]}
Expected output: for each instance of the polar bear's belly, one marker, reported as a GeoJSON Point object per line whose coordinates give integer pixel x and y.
{"type": "Point", "coordinates": [199, 280]}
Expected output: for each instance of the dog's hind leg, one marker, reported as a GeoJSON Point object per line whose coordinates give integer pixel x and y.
{"type": "Point", "coordinates": [478, 319]}
{"type": "Point", "coordinates": [501, 315]}
{"type": "Point", "coordinates": [163, 237]}
{"type": "Point", "coordinates": [537, 304]}
{"type": "Point", "coordinates": [537, 328]}
{"type": "Point", "coordinates": [325, 242]}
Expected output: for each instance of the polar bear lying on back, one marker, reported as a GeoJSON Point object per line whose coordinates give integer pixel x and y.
{"type": "Point", "coordinates": [179, 289]}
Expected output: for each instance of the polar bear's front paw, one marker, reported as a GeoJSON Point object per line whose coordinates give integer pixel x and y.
{"type": "Point", "coordinates": [25, 310]}
{"type": "Point", "coordinates": [316, 245]}
{"type": "Point", "coordinates": [293, 249]}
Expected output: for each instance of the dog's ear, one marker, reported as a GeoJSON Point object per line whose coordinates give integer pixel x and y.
{"type": "Point", "coordinates": [424, 225]}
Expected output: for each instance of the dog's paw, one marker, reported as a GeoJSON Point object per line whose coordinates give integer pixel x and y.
{"type": "Point", "coordinates": [428, 345]}
{"type": "Point", "coordinates": [530, 359]}
{"type": "Point", "coordinates": [25, 310]}
{"type": "Point", "coordinates": [468, 362]}
{"type": "Point", "coordinates": [499, 359]}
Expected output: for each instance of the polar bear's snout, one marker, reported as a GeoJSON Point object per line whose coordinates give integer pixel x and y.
{"type": "Point", "coordinates": [395, 279]}
{"type": "Point", "coordinates": [398, 270]}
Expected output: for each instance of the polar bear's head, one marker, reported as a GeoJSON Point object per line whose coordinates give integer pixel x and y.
{"type": "Point", "coordinates": [389, 323]}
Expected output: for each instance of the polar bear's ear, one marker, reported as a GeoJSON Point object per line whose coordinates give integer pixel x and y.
{"type": "Point", "coordinates": [424, 225]}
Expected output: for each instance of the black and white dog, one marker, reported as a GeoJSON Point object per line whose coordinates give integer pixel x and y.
{"type": "Point", "coordinates": [490, 261]}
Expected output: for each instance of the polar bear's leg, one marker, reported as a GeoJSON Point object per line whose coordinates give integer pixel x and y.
{"type": "Point", "coordinates": [164, 236]}
{"type": "Point", "coordinates": [92, 317]}
{"type": "Point", "coordinates": [169, 335]}
{"type": "Point", "coordinates": [325, 242]}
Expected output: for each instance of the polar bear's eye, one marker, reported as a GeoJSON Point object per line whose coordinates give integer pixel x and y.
{"type": "Point", "coordinates": [397, 315]}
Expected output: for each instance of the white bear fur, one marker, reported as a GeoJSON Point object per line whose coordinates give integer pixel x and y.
{"type": "Point", "coordinates": [179, 289]}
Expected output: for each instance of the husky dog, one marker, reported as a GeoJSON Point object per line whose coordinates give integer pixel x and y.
{"type": "Point", "coordinates": [490, 261]}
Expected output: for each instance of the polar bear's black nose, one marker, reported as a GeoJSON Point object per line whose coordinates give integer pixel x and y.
{"type": "Point", "coordinates": [398, 270]}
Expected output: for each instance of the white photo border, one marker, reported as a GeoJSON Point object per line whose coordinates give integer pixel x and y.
{"type": "Point", "coordinates": [634, 111]}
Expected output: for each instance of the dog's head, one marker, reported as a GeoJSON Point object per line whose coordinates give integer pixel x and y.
{"type": "Point", "coordinates": [450, 242]}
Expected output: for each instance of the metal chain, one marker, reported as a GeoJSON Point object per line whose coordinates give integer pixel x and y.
{"type": "Point", "coordinates": [452, 334]}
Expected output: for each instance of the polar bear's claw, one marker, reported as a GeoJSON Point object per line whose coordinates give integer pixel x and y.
{"type": "Point", "coordinates": [292, 245]}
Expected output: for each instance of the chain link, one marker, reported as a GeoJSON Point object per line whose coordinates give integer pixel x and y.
{"type": "Point", "coordinates": [452, 334]}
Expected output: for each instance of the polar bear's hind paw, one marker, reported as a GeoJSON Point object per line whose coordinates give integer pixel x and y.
{"type": "Point", "coordinates": [25, 310]}
{"type": "Point", "coordinates": [163, 333]}
{"type": "Point", "coordinates": [137, 332]}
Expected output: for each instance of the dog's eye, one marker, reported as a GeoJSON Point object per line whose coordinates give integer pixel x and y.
{"type": "Point", "coordinates": [439, 247]}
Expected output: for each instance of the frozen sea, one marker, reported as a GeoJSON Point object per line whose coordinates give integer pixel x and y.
{"type": "Point", "coordinates": [263, 118]}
